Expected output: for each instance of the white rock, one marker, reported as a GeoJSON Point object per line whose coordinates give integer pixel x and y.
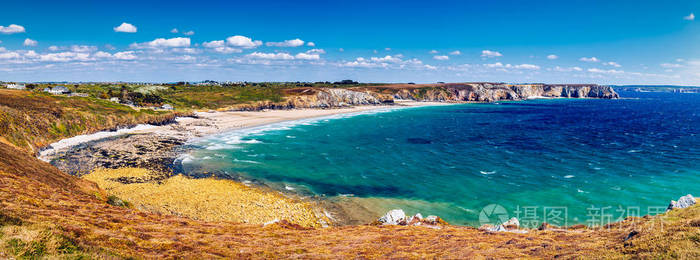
{"type": "Point", "coordinates": [683, 202]}
{"type": "Point", "coordinates": [512, 222]}
{"type": "Point", "coordinates": [393, 217]}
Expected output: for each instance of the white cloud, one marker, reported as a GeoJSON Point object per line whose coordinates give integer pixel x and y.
{"type": "Point", "coordinates": [591, 59]}
{"type": "Point", "coordinates": [316, 51]}
{"type": "Point", "coordinates": [271, 56]}
{"type": "Point", "coordinates": [527, 67]}
{"type": "Point", "coordinates": [552, 57]}
{"type": "Point", "coordinates": [690, 17]}
{"type": "Point", "coordinates": [30, 42]}
{"type": "Point", "coordinates": [430, 67]}
{"type": "Point", "coordinates": [65, 56]}
{"type": "Point", "coordinates": [102, 54]}
{"type": "Point", "coordinates": [12, 28]}
{"type": "Point", "coordinates": [387, 58]}
{"type": "Point", "coordinates": [126, 28]}
{"type": "Point", "coordinates": [307, 56]}
{"type": "Point", "coordinates": [670, 65]}
{"type": "Point", "coordinates": [612, 63]}
{"type": "Point", "coordinates": [31, 54]}
{"type": "Point", "coordinates": [213, 44]}
{"type": "Point", "coordinates": [53, 48]}
{"type": "Point", "coordinates": [311, 44]}
{"type": "Point", "coordinates": [9, 55]}
{"type": "Point", "coordinates": [242, 42]}
{"type": "Point", "coordinates": [490, 54]}
{"type": "Point", "coordinates": [174, 30]}
{"type": "Point", "coordinates": [387, 49]}
{"type": "Point", "coordinates": [433, 51]}
{"type": "Point", "coordinates": [226, 50]}
{"type": "Point", "coordinates": [163, 43]}
{"type": "Point", "coordinates": [288, 43]}
{"type": "Point", "coordinates": [569, 69]}
{"type": "Point", "coordinates": [341, 50]}
{"type": "Point", "coordinates": [441, 57]}
{"type": "Point", "coordinates": [499, 65]}
{"type": "Point", "coordinates": [188, 33]}
{"type": "Point", "coordinates": [612, 71]}
{"type": "Point", "coordinates": [125, 55]}
{"type": "Point", "coordinates": [456, 53]}
{"type": "Point", "coordinates": [82, 48]}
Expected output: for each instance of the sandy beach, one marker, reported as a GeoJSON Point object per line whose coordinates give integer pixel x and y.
{"type": "Point", "coordinates": [137, 164]}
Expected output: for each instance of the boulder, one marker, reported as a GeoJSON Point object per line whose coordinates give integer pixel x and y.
{"type": "Point", "coordinates": [683, 202]}
{"type": "Point", "coordinates": [512, 223]}
{"type": "Point", "coordinates": [393, 217]}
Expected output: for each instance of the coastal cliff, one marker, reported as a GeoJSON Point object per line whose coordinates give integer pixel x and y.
{"type": "Point", "coordinates": [453, 92]}
{"type": "Point", "coordinates": [490, 92]}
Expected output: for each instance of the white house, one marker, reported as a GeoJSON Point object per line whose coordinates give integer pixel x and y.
{"type": "Point", "coordinates": [16, 86]}
{"type": "Point", "coordinates": [167, 107]}
{"type": "Point", "coordinates": [58, 90]}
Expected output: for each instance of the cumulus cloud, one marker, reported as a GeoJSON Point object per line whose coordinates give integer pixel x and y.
{"type": "Point", "coordinates": [316, 51]}
{"type": "Point", "coordinates": [82, 48]}
{"type": "Point", "coordinates": [188, 33]}
{"type": "Point", "coordinates": [242, 42]}
{"type": "Point", "coordinates": [163, 43]}
{"type": "Point", "coordinates": [690, 17]}
{"type": "Point", "coordinates": [53, 48]}
{"type": "Point", "coordinates": [174, 30]}
{"type": "Point", "coordinates": [125, 28]}
{"type": "Point", "coordinates": [433, 51]}
{"type": "Point", "coordinates": [441, 57]}
{"type": "Point", "coordinates": [456, 53]}
{"type": "Point", "coordinates": [226, 50]}
{"type": "Point", "coordinates": [387, 58]}
{"type": "Point", "coordinates": [601, 71]}
{"type": "Point", "coordinates": [125, 55]}
{"type": "Point", "coordinates": [569, 69]}
{"type": "Point", "coordinates": [9, 55]}
{"type": "Point", "coordinates": [214, 44]}
{"type": "Point", "coordinates": [30, 42]}
{"type": "Point", "coordinates": [591, 59]}
{"type": "Point", "coordinates": [490, 54]}
{"type": "Point", "coordinates": [552, 57]}
{"type": "Point", "coordinates": [499, 65]}
{"type": "Point", "coordinates": [65, 56]}
{"type": "Point", "coordinates": [612, 63]}
{"type": "Point", "coordinates": [288, 43]}
{"type": "Point", "coordinates": [12, 28]}
{"type": "Point", "coordinates": [102, 55]}
{"type": "Point", "coordinates": [307, 56]}
{"type": "Point", "coordinates": [270, 56]}
{"type": "Point", "coordinates": [311, 44]}
{"type": "Point", "coordinates": [670, 65]}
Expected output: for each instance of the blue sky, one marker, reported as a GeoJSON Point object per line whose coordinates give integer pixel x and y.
{"type": "Point", "coordinates": [606, 42]}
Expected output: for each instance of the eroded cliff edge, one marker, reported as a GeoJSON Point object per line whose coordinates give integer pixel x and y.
{"type": "Point", "coordinates": [452, 92]}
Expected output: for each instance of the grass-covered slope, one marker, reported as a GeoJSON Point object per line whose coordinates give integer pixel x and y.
{"type": "Point", "coordinates": [31, 120]}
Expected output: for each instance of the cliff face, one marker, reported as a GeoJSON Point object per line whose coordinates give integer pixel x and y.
{"type": "Point", "coordinates": [488, 92]}
{"type": "Point", "coordinates": [475, 92]}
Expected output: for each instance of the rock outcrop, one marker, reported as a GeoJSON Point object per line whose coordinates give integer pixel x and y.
{"type": "Point", "coordinates": [454, 92]}
{"type": "Point", "coordinates": [490, 92]}
{"type": "Point", "coordinates": [398, 217]}
{"type": "Point", "coordinates": [683, 202]}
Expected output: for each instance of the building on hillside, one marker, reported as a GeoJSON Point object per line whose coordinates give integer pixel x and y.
{"type": "Point", "coordinates": [57, 90]}
{"type": "Point", "coordinates": [16, 86]}
{"type": "Point", "coordinates": [114, 99]}
{"type": "Point", "coordinates": [167, 107]}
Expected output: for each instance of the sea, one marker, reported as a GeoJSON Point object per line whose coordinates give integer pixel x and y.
{"type": "Point", "coordinates": [560, 161]}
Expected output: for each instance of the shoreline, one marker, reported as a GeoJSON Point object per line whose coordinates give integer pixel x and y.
{"type": "Point", "coordinates": [157, 149]}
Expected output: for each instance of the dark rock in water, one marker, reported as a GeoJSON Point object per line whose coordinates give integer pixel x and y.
{"type": "Point", "coordinates": [419, 141]}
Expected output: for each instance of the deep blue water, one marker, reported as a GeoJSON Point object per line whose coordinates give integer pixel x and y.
{"type": "Point", "coordinates": [633, 154]}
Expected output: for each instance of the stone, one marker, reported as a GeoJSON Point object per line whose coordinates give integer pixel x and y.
{"type": "Point", "coordinates": [415, 220]}
{"type": "Point", "coordinates": [512, 223]}
{"type": "Point", "coordinates": [683, 202]}
{"type": "Point", "coordinates": [393, 217]}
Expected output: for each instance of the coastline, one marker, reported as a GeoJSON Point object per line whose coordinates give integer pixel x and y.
{"type": "Point", "coordinates": [156, 149]}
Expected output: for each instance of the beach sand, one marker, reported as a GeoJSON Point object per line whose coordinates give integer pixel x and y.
{"type": "Point", "coordinates": [117, 155]}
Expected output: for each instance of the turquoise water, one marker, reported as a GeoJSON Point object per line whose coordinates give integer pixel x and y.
{"type": "Point", "coordinates": [597, 159]}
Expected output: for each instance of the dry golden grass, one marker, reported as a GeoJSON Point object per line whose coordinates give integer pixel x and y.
{"type": "Point", "coordinates": [207, 199]}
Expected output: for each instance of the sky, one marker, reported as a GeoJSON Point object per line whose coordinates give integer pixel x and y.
{"type": "Point", "coordinates": [604, 42]}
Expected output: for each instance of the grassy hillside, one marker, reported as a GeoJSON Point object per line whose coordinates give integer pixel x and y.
{"type": "Point", "coordinates": [30, 120]}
